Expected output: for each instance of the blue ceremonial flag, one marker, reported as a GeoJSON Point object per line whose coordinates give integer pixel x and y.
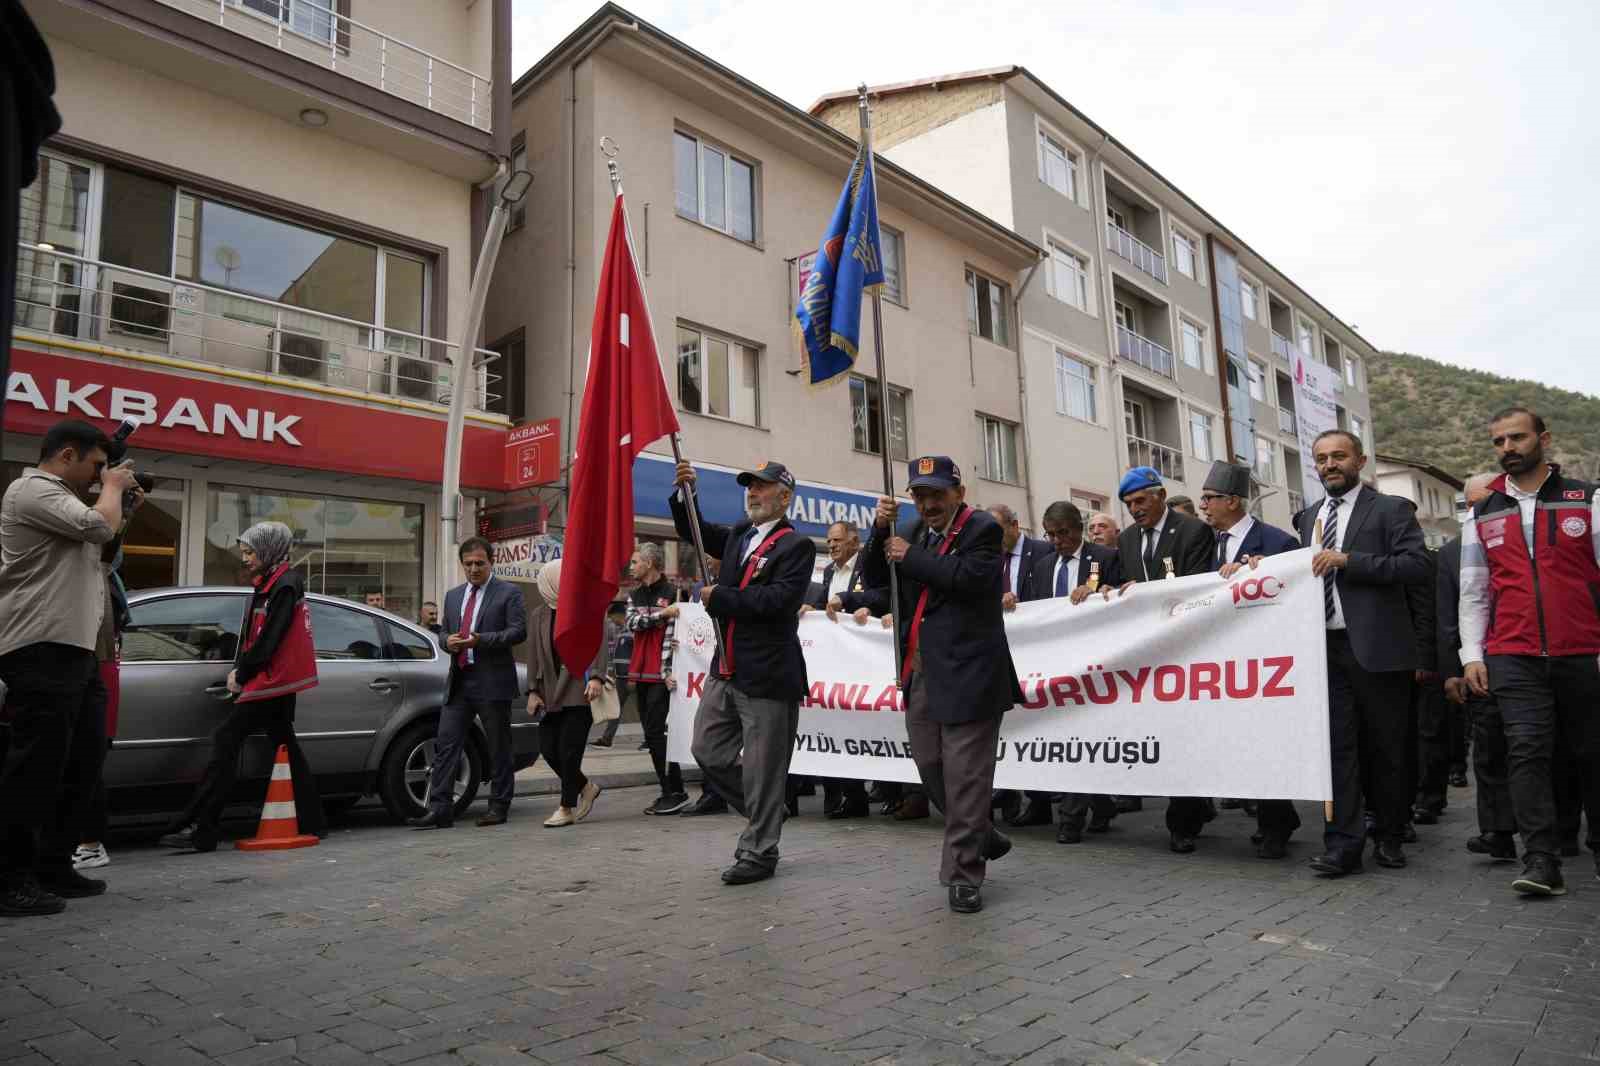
{"type": "Point", "coordinates": [848, 262]}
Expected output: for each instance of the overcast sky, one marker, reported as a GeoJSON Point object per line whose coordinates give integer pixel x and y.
{"type": "Point", "coordinates": [1426, 170]}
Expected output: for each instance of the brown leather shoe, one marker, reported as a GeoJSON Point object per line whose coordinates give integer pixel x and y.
{"type": "Point", "coordinates": [911, 808]}
{"type": "Point", "coordinates": [493, 817]}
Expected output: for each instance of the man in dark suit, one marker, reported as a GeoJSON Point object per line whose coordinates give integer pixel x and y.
{"type": "Point", "coordinates": [842, 797]}
{"type": "Point", "coordinates": [1074, 569]}
{"type": "Point", "coordinates": [485, 619]}
{"type": "Point", "coordinates": [745, 726]}
{"type": "Point", "coordinates": [1497, 821]}
{"type": "Point", "coordinates": [1018, 553]}
{"type": "Point", "coordinates": [1163, 543]}
{"type": "Point", "coordinates": [1240, 537]}
{"type": "Point", "coordinates": [1369, 548]}
{"type": "Point", "coordinates": [958, 676]}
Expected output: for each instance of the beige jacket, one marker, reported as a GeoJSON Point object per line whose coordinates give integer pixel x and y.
{"type": "Point", "coordinates": [556, 685]}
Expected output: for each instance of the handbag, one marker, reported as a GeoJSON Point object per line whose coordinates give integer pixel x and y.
{"type": "Point", "coordinates": [608, 707]}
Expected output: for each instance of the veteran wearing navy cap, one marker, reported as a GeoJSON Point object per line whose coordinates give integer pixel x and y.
{"type": "Point", "coordinates": [1163, 543]}
{"type": "Point", "coordinates": [745, 726]}
{"type": "Point", "coordinates": [958, 676]}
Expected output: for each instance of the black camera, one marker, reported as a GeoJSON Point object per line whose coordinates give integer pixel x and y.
{"type": "Point", "coordinates": [117, 451]}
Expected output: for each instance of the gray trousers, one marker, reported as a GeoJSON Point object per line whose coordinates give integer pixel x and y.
{"type": "Point", "coordinates": [727, 723]}
{"type": "Point", "coordinates": [956, 763]}
{"type": "Point", "coordinates": [454, 721]}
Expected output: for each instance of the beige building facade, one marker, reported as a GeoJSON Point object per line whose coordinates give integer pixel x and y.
{"type": "Point", "coordinates": [1433, 490]}
{"type": "Point", "coordinates": [1154, 335]}
{"type": "Point", "coordinates": [728, 189]}
{"type": "Point", "coordinates": [254, 236]}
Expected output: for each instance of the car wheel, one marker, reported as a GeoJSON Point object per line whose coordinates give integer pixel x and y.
{"type": "Point", "coordinates": [403, 778]}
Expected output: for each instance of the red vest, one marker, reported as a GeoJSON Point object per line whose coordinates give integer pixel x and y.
{"type": "Point", "coordinates": [1547, 603]}
{"type": "Point", "coordinates": [293, 666]}
{"type": "Point", "coordinates": [648, 644]}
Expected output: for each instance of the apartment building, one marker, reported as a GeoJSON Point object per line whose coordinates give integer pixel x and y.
{"type": "Point", "coordinates": [1156, 335]}
{"type": "Point", "coordinates": [254, 235]}
{"type": "Point", "coordinates": [729, 189]}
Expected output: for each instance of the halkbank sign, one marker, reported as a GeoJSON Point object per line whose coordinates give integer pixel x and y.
{"type": "Point", "coordinates": [815, 507]}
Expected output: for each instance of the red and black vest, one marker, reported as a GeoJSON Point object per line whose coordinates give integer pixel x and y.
{"type": "Point", "coordinates": [1547, 602]}
{"type": "Point", "coordinates": [646, 664]}
{"type": "Point", "coordinates": [293, 666]}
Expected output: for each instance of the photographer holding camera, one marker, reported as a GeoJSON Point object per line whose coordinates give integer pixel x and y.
{"type": "Point", "coordinates": [52, 605]}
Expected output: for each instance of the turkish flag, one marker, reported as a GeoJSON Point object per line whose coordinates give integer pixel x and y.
{"type": "Point", "coordinates": [625, 408]}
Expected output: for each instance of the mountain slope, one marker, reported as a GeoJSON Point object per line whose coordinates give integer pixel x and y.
{"type": "Point", "coordinates": [1423, 409]}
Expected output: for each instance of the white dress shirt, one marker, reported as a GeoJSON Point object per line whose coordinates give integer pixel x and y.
{"type": "Point", "coordinates": [1345, 508]}
{"type": "Point", "coordinates": [1013, 563]}
{"type": "Point", "coordinates": [1074, 565]}
{"type": "Point", "coordinates": [756, 538]}
{"type": "Point", "coordinates": [842, 576]}
{"type": "Point", "coordinates": [1236, 535]}
{"type": "Point", "coordinates": [477, 609]}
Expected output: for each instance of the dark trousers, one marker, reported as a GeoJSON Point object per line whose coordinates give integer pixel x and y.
{"type": "Point", "coordinates": [1433, 747]}
{"type": "Point", "coordinates": [1076, 807]}
{"type": "Point", "coordinates": [743, 745]}
{"type": "Point", "coordinates": [655, 700]}
{"type": "Point", "coordinates": [956, 764]}
{"type": "Point", "coordinates": [1541, 698]}
{"type": "Point", "coordinates": [836, 790]}
{"type": "Point", "coordinates": [1186, 815]}
{"type": "Point", "coordinates": [1276, 818]}
{"type": "Point", "coordinates": [275, 718]}
{"type": "Point", "coordinates": [1367, 721]}
{"type": "Point", "coordinates": [1495, 813]}
{"type": "Point", "coordinates": [454, 721]}
{"type": "Point", "coordinates": [1569, 795]}
{"type": "Point", "coordinates": [54, 721]}
{"type": "Point", "coordinates": [562, 736]}
{"type": "Point", "coordinates": [1459, 730]}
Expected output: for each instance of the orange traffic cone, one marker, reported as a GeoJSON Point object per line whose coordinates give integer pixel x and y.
{"type": "Point", "coordinates": [280, 825]}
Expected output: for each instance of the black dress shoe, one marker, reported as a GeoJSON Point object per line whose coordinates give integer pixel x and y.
{"type": "Point", "coordinates": [1501, 847]}
{"type": "Point", "coordinates": [70, 884]}
{"type": "Point", "coordinates": [1408, 834]}
{"type": "Point", "coordinates": [850, 807]}
{"type": "Point", "coordinates": [911, 808]}
{"type": "Point", "coordinates": [190, 838]}
{"type": "Point", "coordinates": [1068, 834]}
{"type": "Point", "coordinates": [1129, 804]}
{"type": "Point", "coordinates": [1181, 844]}
{"type": "Point", "coordinates": [998, 845]}
{"type": "Point", "coordinates": [708, 803]}
{"type": "Point", "coordinates": [1272, 847]}
{"type": "Point", "coordinates": [600, 742]}
{"type": "Point", "coordinates": [1425, 817]}
{"type": "Point", "coordinates": [746, 872]}
{"type": "Point", "coordinates": [966, 899]}
{"type": "Point", "coordinates": [875, 794]}
{"type": "Point", "coordinates": [1390, 855]}
{"type": "Point", "coordinates": [1009, 803]}
{"type": "Point", "coordinates": [493, 817]}
{"type": "Point", "coordinates": [1334, 865]}
{"type": "Point", "coordinates": [1034, 812]}
{"type": "Point", "coordinates": [431, 820]}
{"type": "Point", "coordinates": [791, 807]}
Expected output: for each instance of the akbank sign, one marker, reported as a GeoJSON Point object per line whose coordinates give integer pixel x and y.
{"type": "Point", "coordinates": [813, 509]}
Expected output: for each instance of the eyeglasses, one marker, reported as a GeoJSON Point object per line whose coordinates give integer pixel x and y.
{"type": "Point", "coordinates": [1207, 497]}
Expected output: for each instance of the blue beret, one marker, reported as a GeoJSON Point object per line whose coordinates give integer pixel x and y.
{"type": "Point", "coordinates": [1140, 477]}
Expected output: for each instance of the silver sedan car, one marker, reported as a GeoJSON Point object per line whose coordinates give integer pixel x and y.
{"type": "Point", "coordinates": [367, 727]}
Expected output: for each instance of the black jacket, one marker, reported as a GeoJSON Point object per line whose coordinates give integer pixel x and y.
{"type": "Point", "coordinates": [1447, 608]}
{"type": "Point", "coordinates": [1042, 580]}
{"type": "Point", "coordinates": [1386, 553]}
{"type": "Point", "coordinates": [1033, 550]}
{"type": "Point", "coordinates": [1186, 541]}
{"type": "Point", "coordinates": [280, 603]}
{"type": "Point", "coordinates": [1422, 601]}
{"type": "Point", "coordinates": [767, 661]}
{"type": "Point", "coordinates": [965, 656]}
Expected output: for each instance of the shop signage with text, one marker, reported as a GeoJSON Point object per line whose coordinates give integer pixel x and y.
{"type": "Point", "coordinates": [533, 454]}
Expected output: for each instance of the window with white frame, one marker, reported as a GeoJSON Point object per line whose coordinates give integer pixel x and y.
{"type": "Point", "coordinates": [1304, 336]}
{"type": "Point", "coordinates": [1069, 276]}
{"type": "Point", "coordinates": [1184, 255]}
{"type": "Point", "coordinates": [997, 444]}
{"type": "Point", "coordinates": [313, 18]}
{"type": "Point", "coordinates": [893, 243]}
{"type": "Point", "coordinates": [1359, 429]}
{"type": "Point", "coordinates": [1258, 382]}
{"type": "Point", "coordinates": [1351, 374]}
{"type": "Point", "coordinates": [1266, 461]}
{"type": "Point", "coordinates": [718, 376]}
{"type": "Point", "coordinates": [986, 307]}
{"type": "Point", "coordinates": [1192, 343]}
{"type": "Point", "coordinates": [866, 426]}
{"type": "Point", "coordinates": [1250, 297]}
{"type": "Point", "coordinates": [1200, 435]}
{"type": "Point", "coordinates": [1075, 388]}
{"type": "Point", "coordinates": [1058, 165]}
{"type": "Point", "coordinates": [714, 187]}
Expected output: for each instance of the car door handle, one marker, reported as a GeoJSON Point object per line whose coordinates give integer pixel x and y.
{"type": "Point", "coordinates": [382, 685]}
{"type": "Point", "coordinates": [219, 691]}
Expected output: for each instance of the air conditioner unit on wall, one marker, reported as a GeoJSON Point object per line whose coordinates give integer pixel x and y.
{"type": "Point", "coordinates": [301, 356]}
{"type": "Point", "coordinates": [414, 378]}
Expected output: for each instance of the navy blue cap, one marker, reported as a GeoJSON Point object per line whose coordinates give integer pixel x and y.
{"type": "Point", "coordinates": [933, 472]}
{"type": "Point", "coordinates": [770, 472]}
{"type": "Point", "coordinates": [1140, 477]}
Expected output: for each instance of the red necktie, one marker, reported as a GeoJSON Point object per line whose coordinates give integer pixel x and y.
{"type": "Point", "coordinates": [466, 623]}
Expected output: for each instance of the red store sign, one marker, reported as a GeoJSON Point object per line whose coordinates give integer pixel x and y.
{"type": "Point", "coordinates": [533, 454]}
{"type": "Point", "coordinates": [195, 416]}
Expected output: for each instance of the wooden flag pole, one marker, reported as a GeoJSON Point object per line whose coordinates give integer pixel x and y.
{"type": "Point", "coordinates": [1316, 542]}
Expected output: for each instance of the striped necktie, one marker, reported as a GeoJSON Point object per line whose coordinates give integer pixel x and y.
{"type": "Point", "coordinates": [1330, 542]}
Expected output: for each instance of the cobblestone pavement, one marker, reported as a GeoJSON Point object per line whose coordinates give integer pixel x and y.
{"type": "Point", "coordinates": [614, 942]}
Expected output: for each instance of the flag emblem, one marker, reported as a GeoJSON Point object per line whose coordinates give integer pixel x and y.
{"type": "Point", "coordinates": [925, 466]}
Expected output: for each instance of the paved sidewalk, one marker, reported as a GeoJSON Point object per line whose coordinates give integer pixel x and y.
{"type": "Point", "coordinates": [622, 765]}
{"type": "Point", "coordinates": [614, 942]}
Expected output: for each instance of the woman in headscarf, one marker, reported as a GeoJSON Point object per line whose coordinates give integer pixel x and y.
{"type": "Point", "coordinates": [560, 700]}
{"type": "Point", "coordinates": [276, 659]}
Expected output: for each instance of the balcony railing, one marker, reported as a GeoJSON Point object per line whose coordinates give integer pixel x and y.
{"type": "Point", "coordinates": [315, 31]}
{"type": "Point", "coordinates": [1136, 252]}
{"type": "Point", "coordinates": [1168, 462]}
{"type": "Point", "coordinates": [1144, 351]}
{"type": "Point", "coordinates": [1286, 421]}
{"type": "Point", "coordinates": [1281, 345]}
{"type": "Point", "coordinates": [69, 297]}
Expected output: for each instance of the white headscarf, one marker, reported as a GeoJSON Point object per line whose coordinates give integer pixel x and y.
{"type": "Point", "coordinates": [270, 541]}
{"type": "Point", "coordinates": [549, 582]}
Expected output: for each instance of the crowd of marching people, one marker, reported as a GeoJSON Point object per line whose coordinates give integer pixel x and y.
{"type": "Point", "coordinates": [1491, 643]}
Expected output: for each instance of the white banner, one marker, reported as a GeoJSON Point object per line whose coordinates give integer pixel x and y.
{"type": "Point", "coordinates": [1316, 410]}
{"type": "Point", "coordinates": [1190, 687]}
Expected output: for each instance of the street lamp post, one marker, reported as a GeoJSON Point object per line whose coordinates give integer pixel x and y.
{"type": "Point", "coordinates": [461, 377]}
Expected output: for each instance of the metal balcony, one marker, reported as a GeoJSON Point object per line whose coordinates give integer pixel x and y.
{"type": "Point", "coordinates": [1167, 461]}
{"type": "Point", "coordinates": [1286, 422]}
{"type": "Point", "coordinates": [1282, 346]}
{"type": "Point", "coordinates": [1144, 351]}
{"type": "Point", "coordinates": [314, 31]}
{"type": "Point", "coordinates": [67, 297]}
{"type": "Point", "coordinates": [1136, 252]}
